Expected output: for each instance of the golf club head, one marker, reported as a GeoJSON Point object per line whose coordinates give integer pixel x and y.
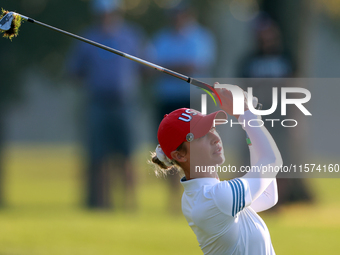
{"type": "Point", "coordinates": [6, 21]}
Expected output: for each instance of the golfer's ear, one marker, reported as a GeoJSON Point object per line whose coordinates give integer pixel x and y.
{"type": "Point", "coordinates": [178, 156]}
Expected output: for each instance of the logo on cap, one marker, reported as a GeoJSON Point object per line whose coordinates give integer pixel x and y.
{"type": "Point", "coordinates": [190, 137]}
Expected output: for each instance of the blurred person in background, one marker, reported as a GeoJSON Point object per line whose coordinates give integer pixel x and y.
{"type": "Point", "coordinates": [111, 84]}
{"type": "Point", "coordinates": [270, 60]}
{"type": "Point", "coordinates": [185, 46]}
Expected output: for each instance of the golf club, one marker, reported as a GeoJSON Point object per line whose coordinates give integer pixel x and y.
{"type": "Point", "coordinates": [11, 21]}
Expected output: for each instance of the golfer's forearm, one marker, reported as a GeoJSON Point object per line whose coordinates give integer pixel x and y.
{"type": "Point", "coordinates": [262, 142]}
{"type": "Point", "coordinates": [263, 149]}
{"type": "Point", "coordinates": [264, 156]}
{"type": "Point", "coordinates": [253, 155]}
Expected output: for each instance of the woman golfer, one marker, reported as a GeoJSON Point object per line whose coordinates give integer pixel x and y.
{"type": "Point", "coordinates": [222, 214]}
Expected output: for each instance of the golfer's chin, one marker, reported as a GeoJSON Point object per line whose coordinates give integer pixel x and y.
{"type": "Point", "coordinates": [218, 159]}
{"type": "Point", "coordinates": [213, 160]}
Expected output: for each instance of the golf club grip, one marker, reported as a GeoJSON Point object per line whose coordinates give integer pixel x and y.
{"type": "Point", "coordinates": [198, 83]}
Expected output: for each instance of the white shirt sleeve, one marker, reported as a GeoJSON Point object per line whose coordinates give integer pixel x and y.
{"type": "Point", "coordinates": [267, 154]}
{"type": "Point", "coordinates": [269, 197]}
{"type": "Point", "coordinates": [254, 188]}
{"type": "Point", "coordinates": [231, 196]}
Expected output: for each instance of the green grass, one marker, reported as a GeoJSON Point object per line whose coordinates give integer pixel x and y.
{"type": "Point", "coordinates": [44, 214]}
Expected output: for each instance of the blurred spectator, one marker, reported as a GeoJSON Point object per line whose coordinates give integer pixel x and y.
{"type": "Point", "coordinates": [185, 46]}
{"type": "Point", "coordinates": [111, 83]}
{"type": "Point", "coordinates": [271, 61]}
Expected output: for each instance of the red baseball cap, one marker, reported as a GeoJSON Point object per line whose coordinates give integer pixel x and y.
{"type": "Point", "coordinates": [182, 125]}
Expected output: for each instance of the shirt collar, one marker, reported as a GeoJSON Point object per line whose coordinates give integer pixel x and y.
{"type": "Point", "coordinates": [196, 183]}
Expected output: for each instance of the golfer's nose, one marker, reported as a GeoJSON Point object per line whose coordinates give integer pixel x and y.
{"type": "Point", "coordinates": [215, 138]}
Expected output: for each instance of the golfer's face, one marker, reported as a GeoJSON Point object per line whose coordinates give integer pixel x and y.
{"type": "Point", "coordinates": [207, 150]}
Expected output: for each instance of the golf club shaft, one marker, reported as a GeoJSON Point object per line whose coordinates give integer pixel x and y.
{"type": "Point", "coordinates": [125, 55]}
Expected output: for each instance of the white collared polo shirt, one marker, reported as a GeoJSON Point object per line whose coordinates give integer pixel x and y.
{"type": "Point", "coordinates": [220, 215]}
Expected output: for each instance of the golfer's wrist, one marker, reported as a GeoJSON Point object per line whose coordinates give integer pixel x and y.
{"type": "Point", "coordinates": [248, 115]}
{"type": "Point", "coordinates": [238, 116]}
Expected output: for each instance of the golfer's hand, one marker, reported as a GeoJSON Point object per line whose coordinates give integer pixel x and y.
{"type": "Point", "coordinates": [227, 101]}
